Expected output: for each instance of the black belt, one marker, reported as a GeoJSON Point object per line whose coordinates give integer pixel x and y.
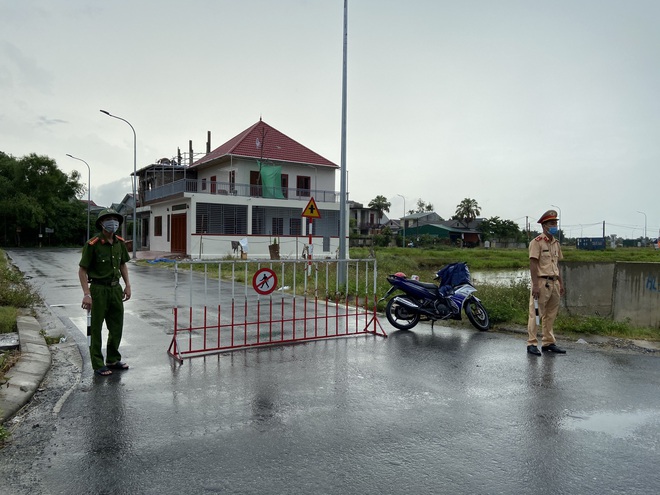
{"type": "Point", "coordinates": [548, 278]}
{"type": "Point", "coordinates": [109, 283]}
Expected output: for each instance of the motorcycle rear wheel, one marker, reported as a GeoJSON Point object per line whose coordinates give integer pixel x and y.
{"type": "Point", "coordinates": [477, 314]}
{"type": "Point", "coordinates": [399, 316]}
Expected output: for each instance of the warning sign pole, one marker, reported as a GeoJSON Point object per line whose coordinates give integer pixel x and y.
{"type": "Point", "coordinates": [310, 248]}
{"type": "Point", "coordinates": [311, 211]}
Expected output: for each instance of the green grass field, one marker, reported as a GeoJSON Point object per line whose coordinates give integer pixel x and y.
{"type": "Point", "coordinates": [496, 259]}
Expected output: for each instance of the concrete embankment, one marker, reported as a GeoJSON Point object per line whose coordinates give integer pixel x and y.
{"type": "Point", "coordinates": [623, 290]}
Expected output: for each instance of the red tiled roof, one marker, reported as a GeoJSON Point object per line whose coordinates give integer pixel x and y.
{"type": "Point", "coordinates": [263, 141]}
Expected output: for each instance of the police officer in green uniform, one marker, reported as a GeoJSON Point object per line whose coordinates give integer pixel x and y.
{"type": "Point", "coordinates": [102, 264]}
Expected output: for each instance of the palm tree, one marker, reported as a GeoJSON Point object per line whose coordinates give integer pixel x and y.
{"type": "Point", "coordinates": [467, 211]}
{"type": "Point", "coordinates": [380, 204]}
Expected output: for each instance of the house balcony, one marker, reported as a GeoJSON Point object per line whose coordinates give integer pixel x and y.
{"type": "Point", "coordinates": [196, 186]}
{"type": "Point", "coordinates": [368, 228]}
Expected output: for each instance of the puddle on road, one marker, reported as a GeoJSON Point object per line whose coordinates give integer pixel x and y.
{"type": "Point", "coordinates": [616, 424]}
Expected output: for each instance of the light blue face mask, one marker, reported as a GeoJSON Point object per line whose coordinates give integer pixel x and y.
{"type": "Point", "coordinates": [553, 231]}
{"type": "Point", "coordinates": [110, 225]}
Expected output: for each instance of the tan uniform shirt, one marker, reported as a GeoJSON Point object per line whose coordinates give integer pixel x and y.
{"type": "Point", "coordinates": [548, 252]}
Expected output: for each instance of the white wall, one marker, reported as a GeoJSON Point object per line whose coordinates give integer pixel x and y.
{"type": "Point", "coordinates": [159, 243]}
{"type": "Point", "coordinates": [291, 247]}
{"type": "Point", "coordinates": [217, 246]}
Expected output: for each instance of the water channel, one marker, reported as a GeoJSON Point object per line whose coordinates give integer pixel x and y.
{"type": "Point", "coordinates": [499, 277]}
{"type": "Point", "coordinates": [489, 277]}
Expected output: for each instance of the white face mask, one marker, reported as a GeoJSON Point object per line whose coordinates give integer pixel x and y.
{"type": "Point", "coordinates": [110, 225]}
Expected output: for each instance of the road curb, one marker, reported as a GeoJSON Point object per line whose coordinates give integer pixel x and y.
{"type": "Point", "coordinates": [24, 378]}
{"type": "Point", "coordinates": [646, 345]}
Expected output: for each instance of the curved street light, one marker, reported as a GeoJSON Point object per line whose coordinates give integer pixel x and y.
{"type": "Point", "coordinates": [89, 187]}
{"type": "Point", "coordinates": [404, 219]}
{"type": "Point", "coordinates": [555, 206]}
{"type": "Point", "coordinates": [134, 176]}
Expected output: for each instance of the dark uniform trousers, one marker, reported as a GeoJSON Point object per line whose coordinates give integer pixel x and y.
{"type": "Point", "coordinates": [107, 305]}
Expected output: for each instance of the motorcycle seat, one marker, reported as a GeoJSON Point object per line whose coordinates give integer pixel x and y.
{"type": "Point", "coordinates": [426, 285]}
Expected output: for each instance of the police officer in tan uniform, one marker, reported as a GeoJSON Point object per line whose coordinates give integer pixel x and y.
{"type": "Point", "coordinates": [547, 286]}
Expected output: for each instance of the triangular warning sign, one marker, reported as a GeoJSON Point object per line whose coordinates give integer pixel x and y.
{"type": "Point", "coordinates": [311, 210]}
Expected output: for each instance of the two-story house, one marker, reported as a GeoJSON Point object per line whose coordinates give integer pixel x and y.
{"type": "Point", "coordinates": [251, 190]}
{"type": "Point", "coordinates": [365, 220]}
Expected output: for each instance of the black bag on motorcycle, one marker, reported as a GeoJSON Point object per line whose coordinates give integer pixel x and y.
{"type": "Point", "coordinates": [455, 274]}
{"type": "Point", "coordinates": [452, 275]}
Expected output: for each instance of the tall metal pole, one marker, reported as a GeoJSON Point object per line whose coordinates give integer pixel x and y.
{"type": "Point", "coordinates": [555, 206]}
{"type": "Point", "coordinates": [342, 189]}
{"type": "Point", "coordinates": [644, 243]}
{"type": "Point", "coordinates": [404, 219]}
{"type": "Point", "coordinates": [134, 178]}
{"type": "Point", "coordinates": [89, 187]}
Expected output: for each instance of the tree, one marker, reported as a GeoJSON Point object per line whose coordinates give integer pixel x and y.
{"type": "Point", "coordinates": [384, 238]}
{"type": "Point", "coordinates": [496, 228]}
{"type": "Point", "coordinates": [423, 206]}
{"type": "Point", "coordinates": [380, 204]}
{"type": "Point", "coordinates": [467, 211]}
{"type": "Point", "coordinates": [38, 196]}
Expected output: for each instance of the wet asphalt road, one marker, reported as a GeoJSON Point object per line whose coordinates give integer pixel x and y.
{"type": "Point", "coordinates": [449, 410]}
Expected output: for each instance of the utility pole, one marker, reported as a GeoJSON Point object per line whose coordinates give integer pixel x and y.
{"type": "Point", "coordinates": [527, 226]}
{"type": "Point", "coordinates": [644, 241]}
{"type": "Point", "coordinates": [404, 219]}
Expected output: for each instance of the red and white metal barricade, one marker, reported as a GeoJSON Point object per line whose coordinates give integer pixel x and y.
{"type": "Point", "coordinates": [237, 304]}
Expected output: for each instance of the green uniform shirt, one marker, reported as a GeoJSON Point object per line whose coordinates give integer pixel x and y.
{"type": "Point", "coordinates": [102, 259]}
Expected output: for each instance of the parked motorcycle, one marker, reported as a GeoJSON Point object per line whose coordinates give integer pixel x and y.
{"type": "Point", "coordinates": [432, 302]}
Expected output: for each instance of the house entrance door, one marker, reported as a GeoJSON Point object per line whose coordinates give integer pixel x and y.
{"type": "Point", "coordinates": [179, 233]}
{"type": "Point", "coordinates": [145, 234]}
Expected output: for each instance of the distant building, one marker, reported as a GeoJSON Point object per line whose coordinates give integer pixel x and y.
{"type": "Point", "coordinates": [366, 219]}
{"type": "Point", "coordinates": [453, 230]}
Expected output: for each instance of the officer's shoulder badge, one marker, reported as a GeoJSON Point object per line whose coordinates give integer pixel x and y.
{"type": "Point", "coordinates": [120, 238]}
{"type": "Point", "coordinates": [539, 238]}
{"type": "Point", "coordinates": [93, 241]}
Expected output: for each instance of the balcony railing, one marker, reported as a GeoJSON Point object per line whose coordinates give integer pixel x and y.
{"type": "Point", "coordinates": [243, 190]}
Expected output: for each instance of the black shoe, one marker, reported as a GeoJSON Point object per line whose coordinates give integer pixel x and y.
{"type": "Point", "coordinates": [553, 348]}
{"type": "Point", "coordinates": [532, 349]}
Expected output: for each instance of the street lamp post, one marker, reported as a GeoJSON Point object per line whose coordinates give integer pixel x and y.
{"type": "Point", "coordinates": [89, 187]}
{"type": "Point", "coordinates": [555, 206]}
{"type": "Point", "coordinates": [134, 177]}
{"type": "Point", "coordinates": [404, 219]}
{"type": "Point", "coordinates": [644, 244]}
{"type": "Point", "coordinates": [343, 184]}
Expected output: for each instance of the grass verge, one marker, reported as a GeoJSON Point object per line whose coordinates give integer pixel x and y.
{"type": "Point", "coordinates": [8, 316]}
{"type": "Point", "coordinates": [14, 294]}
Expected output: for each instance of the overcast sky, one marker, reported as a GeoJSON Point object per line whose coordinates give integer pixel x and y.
{"type": "Point", "coordinates": [519, 105]}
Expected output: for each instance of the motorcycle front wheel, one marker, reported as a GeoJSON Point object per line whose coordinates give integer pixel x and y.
{"type": "Point", "coordinates": [399, 316]}
{"type": "Point", "coordinates": [477, 314]}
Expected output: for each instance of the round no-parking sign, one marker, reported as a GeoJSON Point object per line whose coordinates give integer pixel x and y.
{"type": "Point", "coordinates": [264, 281]}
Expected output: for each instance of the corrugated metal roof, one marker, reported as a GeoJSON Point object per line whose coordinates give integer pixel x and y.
{"type": "Point", "coordinates": [261, 141]}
